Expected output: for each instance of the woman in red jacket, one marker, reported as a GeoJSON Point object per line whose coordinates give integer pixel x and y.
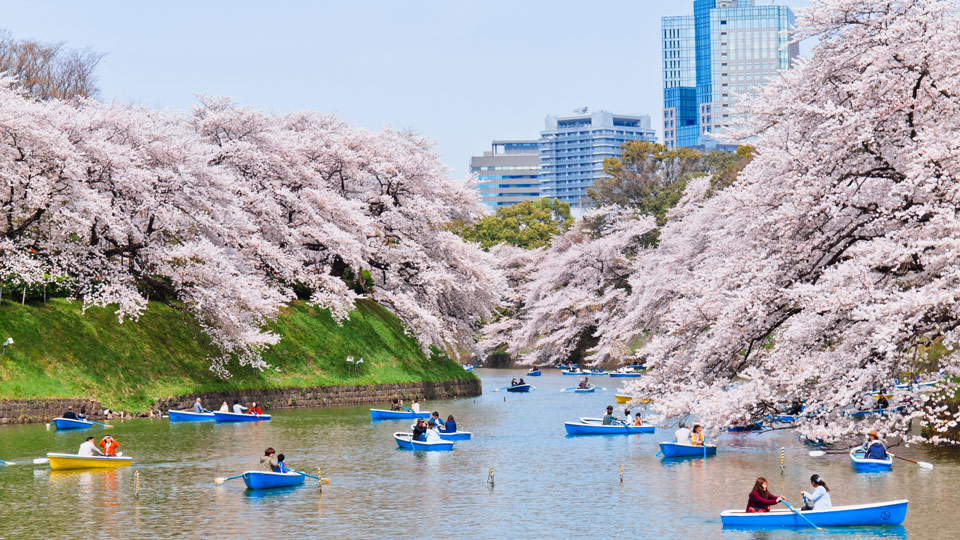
{"type": "Point", "coordinates": [255, 409]}
{"type": "Point", "coordinates": [760, 499]}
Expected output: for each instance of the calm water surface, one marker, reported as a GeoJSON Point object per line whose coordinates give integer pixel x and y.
{"type": "Point", "coordinates": [547, 485]}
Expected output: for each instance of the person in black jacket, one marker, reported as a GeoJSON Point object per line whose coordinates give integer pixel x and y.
{"type": "Point", "coordinates": [70, 414]}
{"type": "Point", "coordinates": [419, 429]}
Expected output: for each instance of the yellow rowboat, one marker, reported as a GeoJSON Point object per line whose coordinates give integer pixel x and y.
{"type": "Point", "coordinates": [623, 398]}
{"type": "Point", "coordinates": [64, 462]}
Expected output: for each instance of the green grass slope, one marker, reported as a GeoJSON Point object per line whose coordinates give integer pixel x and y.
{"type": "Point", "coordinates": [61, 352]}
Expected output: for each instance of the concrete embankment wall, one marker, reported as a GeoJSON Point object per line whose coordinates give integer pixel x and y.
{"type": "Point", "coordinates": [43, 410]}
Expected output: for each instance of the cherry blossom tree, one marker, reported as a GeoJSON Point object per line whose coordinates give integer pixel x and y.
{"type": "Point", "coordinates": [828, 268]}
{"type": "Point", "coordinates": [229, 213]}
{"type": "Point", "coordinates": [561, 293]}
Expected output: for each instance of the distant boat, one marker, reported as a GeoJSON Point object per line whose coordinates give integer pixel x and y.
{"type": "Point", "coordinates": [625, 374]}
{"type": "Point", "coordinates": [66, 462]}
{"type": "Point", "coordinates": [70, 423]}
{"type": "Point", "coordinates": [189, 416]}
{"type": "Point", "coordinates": [383, 414]}
{"type": "Point", "coordinates": [578, 390]}
{"type": "Point", "coordinates": [468, 367]}
{"type": "Point", "coordinates": [870, 465]}
{"type": "Point", "coordinates": [671, 449]}
{"type": "Point", "coordinates": [270, 480]}
{"type": "Point", "coordinates": [519, 388]}
{"type": "Point", "coordinates": [533, 373]}
{"type": "Point", "coordinates": [860, 515]}
{"type": "Point", "coordinates": [452, 435]}
{"type": "Point", "coordinates": [239, 417]}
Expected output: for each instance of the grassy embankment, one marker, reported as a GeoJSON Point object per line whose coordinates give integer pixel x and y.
{"type": "Point", "coordinates": [61, 352]}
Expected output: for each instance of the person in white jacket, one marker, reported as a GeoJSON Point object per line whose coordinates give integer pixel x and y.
{"type": "Point", "coordinates": [820, 498]}
{"type": "Point", "coordinates": [88, 448]}
{"type": "Point", "coordinates": [683, 434]}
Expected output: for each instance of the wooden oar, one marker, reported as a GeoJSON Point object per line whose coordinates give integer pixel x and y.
{"type": "Point", "coordinates": [219, 481]}
{"type": "Point", "coordinates": [797, 512]}
{"type": "Point", "coordinates": [324, 480]}
{"type": "Point", "coordinates": [99, 424]}
{"type": "Point", "coordinates": [2, 462]}
{"type": "Point", "coordinates": [922, 464]}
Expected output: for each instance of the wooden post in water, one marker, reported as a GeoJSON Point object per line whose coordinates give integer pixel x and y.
{"type": "Point", "coordinates": [136, 477]}
{"type": "Point", "coordinates": [490, 477]}
{"type": "Point", "coordinates": [782, 460]}
{"type": "Point", "coordinates": [621, 475]}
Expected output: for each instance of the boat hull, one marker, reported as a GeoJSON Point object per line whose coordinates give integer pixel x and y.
{"type": "Point", "coordinates": [382, 414]}
{"type": "Point", "coordinates": [67, 462]}
{"type": "Point", "coordinates": [239, 417]}
{"type": "Point", "coordinates": [669, 449]}
{"type": "Point", "coordinates": [590, 428]}
{"type": "Point", "coordinates": [190, 416]}
{"type": "Point", "coordinates": [67, 423]}
{"type": "Point", "coordinates": [456, 436]}
{"type": "Point", "coordinates": [870, 465]}
{"type": "Point", "coordinates": [519, 388]}
{"type": "Point", "coordinates": [626, 375]}
{"type": "Point", "coordinates": [565, 372]}
{"type": "Point", "coordinates": [885, 513]}
{"type": "Point", "coordinates": [270, 480]}
{"type": "Point", "coordinates": [404, 441]}
{"type": "Point", "coordinates": [533, 373]}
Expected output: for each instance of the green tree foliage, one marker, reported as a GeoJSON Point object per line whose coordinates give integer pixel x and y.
{"type": "Point", "coordinates": [528, 225]}
{"type": "Point", "coordinates": [651, 178]}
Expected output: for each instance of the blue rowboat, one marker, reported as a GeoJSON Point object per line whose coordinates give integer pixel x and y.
{"type": "Point", "coordinates": [740, 428]}
{"type": "Point", "coordinates": [238, 417]}
{"type": "Point", "coordinates": [468, 367]}
{"type": "Point", "coordinates": [382, 414]}
{"type": "Point", "coordinates": [626, 375]}
{"type": "Point", "coordinates": [578, 390]}
{"type": "Point", "coordinates": [455, 435]}
{"type": "Point", "coordinates": [671, 449]}
{"type": "Point", "coordinates": [596, 373]}
{"type": "Point", "coordinates": [189, 416]}
{"type": "Point", "coordinates": [519, 388]}
{"type": "Point", "coordinates": [451, 435]}
{"type": "Point", "coordinates": [405, 441]}
{"type": "Point", "coordinates": [533, 373]}
{"type": "Point", "coordinates": [870, 465]}
{"type": "Point", "coordinates": [270, 480]}
{"type": "Point", "coordinates": [69, 423]}
{"type": "Point", "coordinates": [594, 426]}
{"type": "Point", "coordinates": [577, 372]}
{"type": "Point", "coordinates": [860, 515]}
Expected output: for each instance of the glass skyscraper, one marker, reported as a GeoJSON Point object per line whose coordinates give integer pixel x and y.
{"type": "Point", "coordinates": [572, 150]}
{"type": "Point", "coordinates": [729, 47]}
{"type": "Point", "coordinates": [509, 173]}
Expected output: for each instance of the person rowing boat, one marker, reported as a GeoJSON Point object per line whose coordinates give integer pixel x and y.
{"type": "Point", "coordinates": [760, 500]}
{"type": "Point", "coordinates": [873, 448]}
{"type": "Point", "coordinates": [88, 449]}
{"type": "Point", "coordinates": [268, 462]}
{"type": "Point", "coordinates": [820, 498]}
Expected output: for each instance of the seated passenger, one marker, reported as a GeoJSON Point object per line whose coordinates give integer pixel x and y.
{"type": "Point", "coordinates": [820, 498]}
{"type": "Point", "coordinates": [69, 414]}
{"type": "Point", "coordinates": [395, 405]}
{"type": "Point", "coordinates": [608, 418]}
{"type": "Point", "coordinates": [696, 438]}
{"type": "Point", "coordinates": [281, 466]}
{"type": "Point", "coordinates": [450, 426]}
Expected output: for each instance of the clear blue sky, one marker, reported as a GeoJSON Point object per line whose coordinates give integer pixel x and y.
{"type": "Point", "coordinates": [460, 72]}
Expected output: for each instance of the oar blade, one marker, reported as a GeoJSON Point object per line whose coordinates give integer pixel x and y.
{"type": "Point", "coordinates": [925, 465]}
{"type": "Point", "coordinates": [41, 461]}
{"type": "Point", "coordinates": [219, 481]}
{"type": "Point", "coordinates": [817, 453]}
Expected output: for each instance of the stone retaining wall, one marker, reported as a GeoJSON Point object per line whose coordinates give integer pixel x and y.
{"type": "Point", "coordinates": [43, 410]}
